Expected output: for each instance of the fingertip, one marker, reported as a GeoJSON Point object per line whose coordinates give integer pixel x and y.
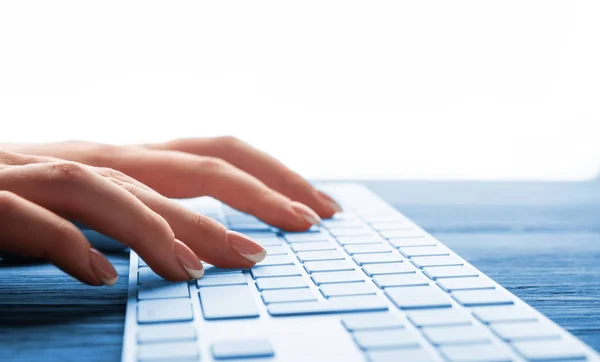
{"type": "Point", "coordinates": [331, 203]}
{"type": "Point", "coordinates": [188, 260]}
{"type": "Point", "coordinates": [246, 247]}
{"type": "Point", "coordinates": [102, 268]}
{"type": "Point", "coordinates": [306, 213]}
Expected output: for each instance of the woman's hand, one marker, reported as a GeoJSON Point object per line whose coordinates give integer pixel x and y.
{"type": "Point", "coordinates": [223, 167]}
{"type": "Point", "coordinates": [39, 194]}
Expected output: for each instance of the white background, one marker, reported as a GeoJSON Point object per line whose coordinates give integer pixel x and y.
{"type": "Point", "coordinates": [370, 89]}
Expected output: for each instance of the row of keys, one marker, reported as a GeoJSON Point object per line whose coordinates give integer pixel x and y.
{"type": "Point", "coordinates": [384, 338]}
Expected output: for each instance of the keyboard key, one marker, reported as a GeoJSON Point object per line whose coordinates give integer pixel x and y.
{"type": "Point", "coordinates": [367, 321]}
{"type": "Point", "coordinates": [397, 355]}
{"type": "Point", "coordinates": [400, 280]}
{"type": "Point", "coordinates": [328, 265]}
{"type": "Point", "coordinates": [316, 246]}
{"type": "Point", "coordinates": [275, 271]}
{"type": "Point", "coordinates": [288, 295]}
{"type": "Point", "coordinates": [343, 216]}
{"type": "Point", "coordinates": [509, 313]}
{"type": "Point", "coordinates": [163, 290]}
{"type": "Point", "coordinates": [411, 252]}
{"type": "Point", "coordinates": [452, 284]}
{"type": "Point", "coordinates": [281, 283]}
{"type": "Point", "coordinates": [271, 241]}
{"type": "Point", "coordinates": [457, 335]}
{"type": "Point", "coordinates": [222, 279]}
{"type": "Point", "coordinates": [402, 233]}
{"type": "Point", "coordinates": [213, 270]}
{"type": "Point", "coordinates": [276, 260]}
{"type": "Point", "coordinates": [352, 240]}
{"type": "Point", "coordinates": [364, 231]}
{"type": "Point", "coordinates": [249, 226]}
{"type": "Point", "coordinates": [387, 268]}
{"type": "Point", "coordinates": [440, 272]}
{"type": "Point", "coordinates": [389, 225]}
{"type": "Point", "coordinates": [320, 255]}
{"type": "Point", "coordinates": [248, 348]}
{"type": "Point", "coordinates": [232, 301]}
{"type": "Point", "coordinates": [164, 310]}
{"type": "Point", "coordinates": [306, 237]}
{"type": "Point", "coordinates": [276, 250]}
{"type": "Point", "coordinates": [389, 217]}
{"type": "Point", "coordinates": [367, 248]}
{"type": "Point", "coordinates": [342, 224]}
{"type": "Point", "coordinates": [147, 275]}
{"type": "Point", "coordinates": [421, 241]}
{"type": "Point", "coordinates": [362, 259]}
{"type": "Point", "coordinates": [173, 351]}
{"type": "Point", "coordinates": [438, 317]}
{"type": "Point", "coordinates": [385, 339]}
{"type": "Point", "coordinates": [362, 303]}
{"type": "Point", "coordinates": [526, 330]}
{"type": "Point", "coordinates": [261, 235]}
{"type": "Point", "coordinates": [166, 332]}
{"type": "Point", "coordinates": [344, 289]}
{"type": "Point", "coordinates": [425, 261]}
{"type": "Point", "coordinates": [477, 353]}
{"type": "Point", "coordinates": [337, 277]}
{"type": "Point", "coordinates": [418, 297]}
{"type": "Point", "coordinates": [474, 298]}
{"type": "Point", "coordinates": [551, 350]}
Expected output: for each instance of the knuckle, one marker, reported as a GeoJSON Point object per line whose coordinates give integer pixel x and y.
{"type": "Point", "coordinates": [204, 223]}
{"type": "Point", "coordinates": [213, 164]}
{"type": "Point", "coordinates": [68, 171]}
{"type": "Point", "coordinates": [112, 173]}
{"type": "Point", "coordinates": [230, 141]}
{"type": "Point", "coordinates": [158, 225]}
{"type": "Point", "coordinates": [8, 202]}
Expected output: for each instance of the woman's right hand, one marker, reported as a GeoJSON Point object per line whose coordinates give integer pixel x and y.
{"type": "Point", "coordinates": [38, 195]}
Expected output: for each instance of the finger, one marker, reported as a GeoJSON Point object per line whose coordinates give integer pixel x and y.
{"type": "Point", "coordinates": [30, 230]}
{"type": "Point", "coordinates": [210, 240]}
{"type": "Point", "coordinates": [184, 175]}
{"type": "Point", "coordinates": [259, 164]}
{"type": "Point", "coordinates": [74, 191]}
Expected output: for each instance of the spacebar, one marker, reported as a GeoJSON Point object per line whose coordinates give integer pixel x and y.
{"type": "Point", "coordinates": [337, 305]}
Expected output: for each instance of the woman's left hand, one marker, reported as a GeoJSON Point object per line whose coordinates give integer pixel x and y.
{"type": "Point", "coordinates": [225, 168]}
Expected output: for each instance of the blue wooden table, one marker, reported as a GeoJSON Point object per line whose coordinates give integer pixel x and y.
{"type": "Point", "coordinates": [540, 240]}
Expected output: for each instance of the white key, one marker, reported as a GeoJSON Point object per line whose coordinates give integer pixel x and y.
{"type": "Point", "coordinates": [166, 332]}
{"type": "Point", "coordinates": [173, 351]}
{"type": "Point", "coordinates": [439, 317]}
{"type": "Point", "coordinates": [166, 310]}
{"type": "Point", "coordinates": [452, 284]}
{"type": "Point", "coordinates": [457, 335]}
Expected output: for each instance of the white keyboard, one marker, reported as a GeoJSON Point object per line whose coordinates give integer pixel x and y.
{"type": "Point", "coordinates": [368, 285]}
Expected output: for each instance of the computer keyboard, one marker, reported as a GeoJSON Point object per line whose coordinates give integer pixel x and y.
{"type": "Point", "coordinates": [367, 285]}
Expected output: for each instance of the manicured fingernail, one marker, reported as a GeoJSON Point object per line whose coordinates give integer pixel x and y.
{"type": "Point", "coordinates": [331, 202]}
{"type": "Point", "coordinates": [306, 212]}
{"type": "Point", "coordinates": [102, 268]}
{"type": "Point", "coordinates": [188, 260]}
{"type": "Point", "coordinates": [244, 246]}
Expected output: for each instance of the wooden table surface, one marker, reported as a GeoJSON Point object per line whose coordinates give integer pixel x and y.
{"type": "Point", "coordinates": [540, 240]}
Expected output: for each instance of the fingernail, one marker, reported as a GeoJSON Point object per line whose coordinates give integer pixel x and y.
{"type": "Point", "coordinates": [331, 202]}
{"type": "Point", "coordinates": [102, 268]}
{"type": "Point", "coordinates": [188, 260]}
{"type": "Point", "coordinates": [306, 212]}
{"type": "Point", "coordinates": [244, 246]}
